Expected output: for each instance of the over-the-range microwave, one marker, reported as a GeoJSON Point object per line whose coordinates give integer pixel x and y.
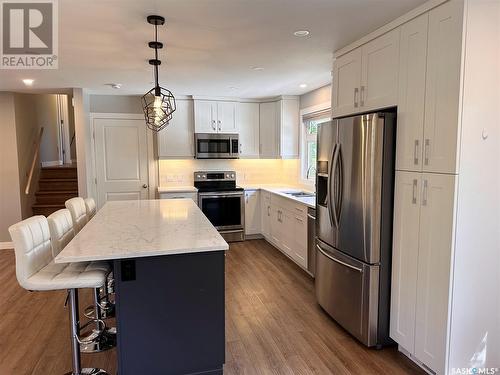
{"type": "Point", "coordinates": [217, 146]}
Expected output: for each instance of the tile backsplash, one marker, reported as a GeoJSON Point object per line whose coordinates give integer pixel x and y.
{"type": "Point", "coordinates": [248, 171]}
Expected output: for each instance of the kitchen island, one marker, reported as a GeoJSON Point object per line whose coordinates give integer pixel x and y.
{"type": "Point", "coordinates": [168, 265]}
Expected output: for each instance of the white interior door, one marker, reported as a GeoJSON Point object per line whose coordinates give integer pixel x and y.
{"type": "Point", "coordinates": [121, 159]}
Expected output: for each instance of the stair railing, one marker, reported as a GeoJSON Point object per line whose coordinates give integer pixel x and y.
{"type": "Point", "coordinates": [37, 143]}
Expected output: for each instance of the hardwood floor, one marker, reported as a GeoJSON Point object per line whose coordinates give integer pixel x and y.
{"type": "Point", "coordinates": [273, 324]}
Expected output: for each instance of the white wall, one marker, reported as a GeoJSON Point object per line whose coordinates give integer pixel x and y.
{"type": "Point", "coordinates": [27, 133]}
{"type": "Point", "coordinates": [475, 320]}
{"type": "Point", "coordinates": [315, 97]}
{"type": "Point", "coordinates": [46, 115]}
{"type": "Point", "coordinates": [10, 207]}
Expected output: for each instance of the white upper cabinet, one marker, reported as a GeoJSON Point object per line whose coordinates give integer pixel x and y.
{"type": "Point", "coordinates": [411, 97]}
{"type": "Point", "coordinates": [442, 94]}
{"type": "Point", "coordinates": [226, 117]}
{"type": "Point", "coordinates": [268, 132]}
{"type": "Point", "coordinates": [177, 139]}
{"type": "Point", "coordinates": [248, 124]}
{"type": "Point", "coordinates": [366, 78]}
{"type": "Point", "coordinates": [215, 116]}
{"type": "Point", "coordinates": [434, 265]}
{"type": "Point", "coordinates": [289, 128]}
{"type": "Point", "coordinates": [379, 72]}
{"type": "Point", "coordinates": [346, 83]}
{"type": "Point", "coordinates": [279, 129]}
{"type": "Point", "coordinates": [205, 116]}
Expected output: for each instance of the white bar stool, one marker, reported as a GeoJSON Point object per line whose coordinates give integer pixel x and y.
{"type": "Point", "coordinates": [61, 232]}
{"type": "Point", "coordinates": [36, 271]}
{"type": "Point", "coordinates": [78, 210]}
{"type": "Point", "coordinates": [91, 208]}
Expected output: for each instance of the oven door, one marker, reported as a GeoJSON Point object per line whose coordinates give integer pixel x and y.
{"type": "Point", "coordinates": [225, 210]}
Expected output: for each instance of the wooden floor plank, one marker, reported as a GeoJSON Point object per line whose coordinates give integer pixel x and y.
{"type": "Point", "coordinates": [273, 324]}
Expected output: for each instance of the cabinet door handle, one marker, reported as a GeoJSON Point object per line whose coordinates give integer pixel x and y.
{"type": "Point", "coordinates": [268, 210]}
{"type": "Point", "coordinates": [220, 126]}
{"type": "Point", "coordinates": [414, 199]}
{"type": "Point", "coordinates": [213, 124]}
{"type": "Point", "coordinates": [415, 152]}
{"type": "Point", "coordinates": [427, 146]}
{"type": "Point", "coordinates": [424, 195]}
{"type": "Point", "coordinates": [299, 219]}
{"type": "Point", "coordinates": [362, 95]}
{"type": "Point", "coordinates": [356, 90]}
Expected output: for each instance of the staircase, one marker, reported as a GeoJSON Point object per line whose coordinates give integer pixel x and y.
{"type": "Point", "coordinates": [55, 186]}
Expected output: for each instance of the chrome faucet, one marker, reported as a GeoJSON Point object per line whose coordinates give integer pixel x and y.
{"type": "Point", "coordinates": [309, 171]}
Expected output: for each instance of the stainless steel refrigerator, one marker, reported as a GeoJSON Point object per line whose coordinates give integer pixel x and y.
{"type": "Point", "coordinates": [355, 179]}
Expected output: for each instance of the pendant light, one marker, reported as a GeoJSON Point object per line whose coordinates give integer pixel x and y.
{"type": "Point", "coordinates": [158, 103]}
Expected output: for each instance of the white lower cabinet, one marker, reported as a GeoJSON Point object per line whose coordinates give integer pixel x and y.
{"type": "Point", "coordinates": [284, 224]}
{"type": "Point", "coordinates": [252, 212]}
{"type": "Point", "coordinates": [265, 213]}
{"type": "Point", "coordinates": [422, 248]}
{"type": "Point", "coordinates": [180, 195]}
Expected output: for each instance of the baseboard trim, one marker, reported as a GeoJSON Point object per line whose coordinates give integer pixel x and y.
{"type": "Point", "coordinates": [6, 245]}
{"type": "Point", "coordinates": [52, 163]}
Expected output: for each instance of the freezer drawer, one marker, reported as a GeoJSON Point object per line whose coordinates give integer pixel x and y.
{"type": "Point", "coordinates": [348, 290]}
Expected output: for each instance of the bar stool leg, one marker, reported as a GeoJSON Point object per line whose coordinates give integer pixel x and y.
{"type": "Point", "coordinates": [99, 340]}
{"type": "Point", "coordinates": [75, 342]}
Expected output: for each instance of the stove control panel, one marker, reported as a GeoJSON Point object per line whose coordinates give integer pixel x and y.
{"type": "Point", "coordinates": [215, 176]}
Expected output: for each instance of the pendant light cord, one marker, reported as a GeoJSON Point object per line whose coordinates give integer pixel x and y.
{"type": "Point", "coordinates": [156, 55]}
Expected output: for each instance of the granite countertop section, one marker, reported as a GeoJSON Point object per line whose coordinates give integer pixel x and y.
{"type": "Point", "coordinates": [177, 189]}
{"type": "Point", "coordinates": [280, 189]}
{"type": "Point", "coordinates": [133, 229]}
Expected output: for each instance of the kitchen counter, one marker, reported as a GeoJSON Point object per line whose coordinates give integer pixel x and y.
{"type": "Point", "coordinates": [280, 189]}
{"type": "Point", "coordinates": [130, 229]}
{"type": "Point", "coordinates": [177, 189]}
{"type": "Point", "coordinates": [168, 266]}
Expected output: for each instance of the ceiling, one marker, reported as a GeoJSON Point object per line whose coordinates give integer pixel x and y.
{"type": "Point", "coordinates": [211, 45]}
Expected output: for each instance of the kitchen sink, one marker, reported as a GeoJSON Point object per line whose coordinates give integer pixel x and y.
{"type": "Point", "coordinates": [301, 194]}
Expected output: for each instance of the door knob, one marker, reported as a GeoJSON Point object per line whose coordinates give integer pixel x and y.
{"type": "Point", "coordinates": [145, 186]}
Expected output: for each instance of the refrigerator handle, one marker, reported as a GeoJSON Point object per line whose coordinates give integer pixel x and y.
{"type": "Point", "coordinates": [338, 260]}
{"type": "Point", "coordinates": [329, 197]}
{"type": "Point", "coordinates": [340, 185]}
{"type": "Point", "coordinates": [333, 200]}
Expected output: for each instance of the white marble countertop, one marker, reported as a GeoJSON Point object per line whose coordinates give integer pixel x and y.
{"type": "Point", "coordinates": [177, 189]}
{"type": "Point", "coordinates": [133, 229]}
{"type": "Point", "coordinates": [280, 189]}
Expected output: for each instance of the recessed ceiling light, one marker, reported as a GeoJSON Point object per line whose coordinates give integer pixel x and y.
{"type": "Point", "coordinates": [257, 68]}
{"type": "Point", "coordinates": [301, 33]}
{"type": "Point", "coordinates": [28, 82]}
{"type": "Point", "coordinates": [114, 85]}
{"type": "Point", "coordinates": [303, 85]}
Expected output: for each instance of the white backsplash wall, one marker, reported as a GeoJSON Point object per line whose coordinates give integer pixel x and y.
{"type": "Point", "coordinates": [248, 171]}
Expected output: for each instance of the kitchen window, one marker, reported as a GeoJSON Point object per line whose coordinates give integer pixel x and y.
{"type": "Point", "coordinates": [310, 122]}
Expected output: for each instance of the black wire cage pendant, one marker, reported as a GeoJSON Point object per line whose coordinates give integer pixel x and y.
{"type": "Point", "coordinates": [158, 103]}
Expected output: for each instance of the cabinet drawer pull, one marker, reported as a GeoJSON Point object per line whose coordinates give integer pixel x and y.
{"type": "Point", "coordinates": [424, 195]}
{"type": "Point", "coordinates": [427, 145]}
{"type": "Point", "coordinates": [356, 90]}
{"type": "Point", "coordinates": [362, 95]}
{"type": "Point", "coordinates": [299, 219]}
{"type": "Point", "coordinates": [415, 152]}
{"type": "Point", "coordinates": [414, 199]}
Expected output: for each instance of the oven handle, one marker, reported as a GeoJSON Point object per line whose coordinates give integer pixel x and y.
{"type": "Point", "coordinates": [221, 194]}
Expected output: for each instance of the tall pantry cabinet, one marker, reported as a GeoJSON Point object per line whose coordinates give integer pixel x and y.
{"type": "Point", "coordinates": [447, 178]}
{"type": "Point", "coordinates": [425, 184]}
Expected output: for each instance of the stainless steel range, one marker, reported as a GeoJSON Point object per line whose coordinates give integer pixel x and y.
{"type": "Point", "coordinates": [222, 202]}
